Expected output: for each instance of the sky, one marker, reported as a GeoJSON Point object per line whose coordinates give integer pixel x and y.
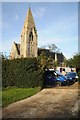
{"type": "Point", "coordinates": [56, 23]}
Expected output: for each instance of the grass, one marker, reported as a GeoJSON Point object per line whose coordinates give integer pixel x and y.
{"type": "Point", "coordinates": [13, 94]}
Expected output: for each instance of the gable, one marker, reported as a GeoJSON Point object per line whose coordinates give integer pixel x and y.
{"type": "Point", "coordinates": [15, 51]}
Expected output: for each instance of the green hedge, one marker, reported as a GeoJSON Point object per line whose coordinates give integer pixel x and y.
{"type": "Point", "coordinates": [79, 76]}
{"type": "Point", "coordinates": [21, 73]}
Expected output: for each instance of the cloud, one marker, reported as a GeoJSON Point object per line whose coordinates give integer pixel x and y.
{"type": "Point", "coordinates": [39, 12]}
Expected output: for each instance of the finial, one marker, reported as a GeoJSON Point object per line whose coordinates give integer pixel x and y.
{"type": "Point", "coordinates": [29, 5]}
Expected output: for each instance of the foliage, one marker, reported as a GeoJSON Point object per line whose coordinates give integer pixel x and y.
{"type": "Point", "coordinates": [42, 60]}
{"type": "Point", "coordinates": [26, 72]}
{"type": "Point", "coordinates": [50, 62]}
{"type": "Point", "coordinates": [46, 62]}
{"type": "Point", "coordinates": [74, 62]}
{"type": "Point", "coordinates": [56, 63]}
{"type": "Point", "coordinates": [53, 48]}
{"type": "Point", "coordinates": [79, 76]}
{"type": "Point", "coordinates": [13, 94]}
{"type": "Point", "coordinates": [21, 73]}
{"type": "Point", "coordinates": [68, 62]}
{"type": "Point", "coordinates": [51, 54]}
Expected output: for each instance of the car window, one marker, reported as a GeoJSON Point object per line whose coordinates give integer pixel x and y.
{"type": "Point", "coordinates": [49, 73]}
{"type": "Point", "coordinates": [73, 74]}
{"type": "Point", "coordinates": [70, 74]}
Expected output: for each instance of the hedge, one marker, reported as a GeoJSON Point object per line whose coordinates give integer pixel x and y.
{"type": "Point", "coordinates": [24, 72]}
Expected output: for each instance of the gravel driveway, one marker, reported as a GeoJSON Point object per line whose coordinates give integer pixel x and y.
{"type": "Point", "coordinates": [49, 103]}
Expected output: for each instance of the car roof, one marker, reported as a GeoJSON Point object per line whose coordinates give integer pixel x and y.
{"type": "Point", "coordinates": [52, 70]}
{"type": "Point", "coordinates": [49, 70]}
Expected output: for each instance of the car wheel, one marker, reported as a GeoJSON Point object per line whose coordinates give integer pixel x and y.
{"type": "Point", "coordinates": [58, 83]}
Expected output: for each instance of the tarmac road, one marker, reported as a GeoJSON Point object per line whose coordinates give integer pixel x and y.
{"type": "Point", "coordinates": [60, 102]}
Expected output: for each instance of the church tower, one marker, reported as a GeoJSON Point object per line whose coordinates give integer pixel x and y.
{"type": "Point", "coordinates": [28, 46]}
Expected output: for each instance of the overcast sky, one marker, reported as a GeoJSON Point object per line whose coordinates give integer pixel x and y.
{"type": "Point", "coordinates": [56, 23]}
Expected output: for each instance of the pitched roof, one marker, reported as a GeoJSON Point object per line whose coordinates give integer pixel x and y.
{"type": "Point", "coordinates": [48, 53]}
{"type": "Point", "coordinates": [17, 48]}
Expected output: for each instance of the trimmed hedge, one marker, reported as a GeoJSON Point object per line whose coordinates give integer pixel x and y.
{"type": "Point", "coordinates": [24, 72]}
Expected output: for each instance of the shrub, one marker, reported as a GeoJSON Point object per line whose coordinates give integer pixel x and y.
{"type": "Point", "coordinates": [79, 76]}
{"type": "Point", "coordinates": [24, 72]}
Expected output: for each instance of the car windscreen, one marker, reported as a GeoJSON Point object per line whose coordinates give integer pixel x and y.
{"type": "Point", "coordinates": [71, 74]}
{"type": "Point", "coordinates": [48, 73]}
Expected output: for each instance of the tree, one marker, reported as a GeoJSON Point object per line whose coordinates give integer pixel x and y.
{"type": "Point", "coordinates": [50, 62]}
{"type": "Point", "coordinates": [76, 60]}
{"type": "Point", "coordinates": [53, 48]}
{"type": "Point", "coordinates": [43, 59]}
{"type": "Point", "coordinates": [76, 63]}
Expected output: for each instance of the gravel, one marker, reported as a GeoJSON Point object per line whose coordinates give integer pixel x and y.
{"type": "Point", "coordinates": [62, 102]}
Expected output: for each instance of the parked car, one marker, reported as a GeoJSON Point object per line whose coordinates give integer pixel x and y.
{"type": "Point", "coordinates": [72, 77]}
{"type": "Point", "coordinates": [53, 78]}
{"type": "Point", "coordinates": [61, 80]}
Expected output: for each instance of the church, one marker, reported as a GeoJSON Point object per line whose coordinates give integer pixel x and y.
{"type": "Point", "coordinates": [28, 41]}
{"type": "Point", "coordinates": [28, 46]}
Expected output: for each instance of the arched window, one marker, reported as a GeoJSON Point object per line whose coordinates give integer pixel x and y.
{"type": "Point", "coordinates": [31, 36]}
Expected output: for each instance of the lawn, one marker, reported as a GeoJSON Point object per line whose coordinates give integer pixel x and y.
{"type": "Point", "coordinates": [13, 94]}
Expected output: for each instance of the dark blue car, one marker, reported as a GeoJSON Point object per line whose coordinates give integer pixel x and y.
{"type": "Point", "coordinates": [53, 78]}
{"type": "Point", "coordinates": [61, 80]}
{"type": "Point", "coordinates": [72, 77]}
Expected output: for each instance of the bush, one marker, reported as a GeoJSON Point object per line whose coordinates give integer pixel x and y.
{"type": "Point", "coordinates": [22, 72]}
{"type": "Point", "coordinates": [79, 76]}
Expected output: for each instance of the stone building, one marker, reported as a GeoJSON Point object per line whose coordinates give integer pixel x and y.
{"type": "Point", "coordinates": [28, 43]}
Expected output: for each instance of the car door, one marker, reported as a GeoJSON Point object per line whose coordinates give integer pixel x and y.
{"type": "Point", "coordinates": [50, 78]}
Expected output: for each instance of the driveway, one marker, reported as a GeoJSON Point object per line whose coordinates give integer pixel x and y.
{"type": "Point", "coordinates": [60, 102]}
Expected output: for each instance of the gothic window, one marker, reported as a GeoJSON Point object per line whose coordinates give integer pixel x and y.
{"type": "Point", "coordinates": [31, 36]}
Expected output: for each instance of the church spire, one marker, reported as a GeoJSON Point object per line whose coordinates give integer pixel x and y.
{"type": "Point", "coordinates": [29, 37]}
{"type": "Point", "coordinates": [28, 45]}
{"type": "Point", "coordinates": [29, 19]}
{"type": "Point", "coordinates": [29, 5]}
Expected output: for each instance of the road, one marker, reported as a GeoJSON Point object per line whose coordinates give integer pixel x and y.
{"type": "Point", "coordinates": [60, 102]}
